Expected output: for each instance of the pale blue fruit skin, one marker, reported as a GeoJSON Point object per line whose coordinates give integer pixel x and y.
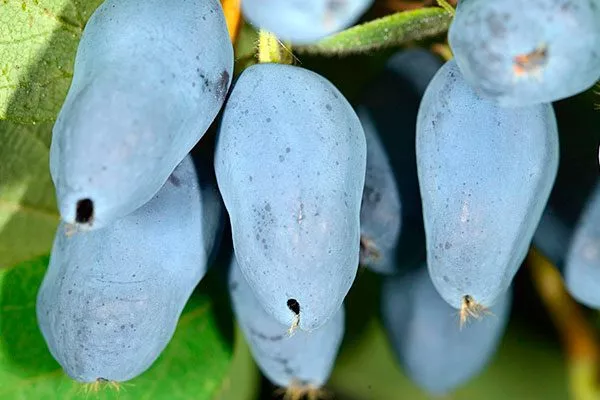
{"type": "Point", "coordinates": [582, 264]}
{"type": "Point", "coordinates": [486, 36]}
{"type": "Point", "coordinates": [303, 357]}
{"type": "Point", "coordinates": [575, 182]}
{"type": "Point", "coordinates": [111, 297]}
{"type": "Point", "coordinates": [552, 236]}
{"type": "Point", "coordinates": [391, 217]}
{"type": "Point", "coordinates": [149, 78]}
{"type": "Point", "coordinates": [485, 174]}
{"type": "Point", "coordinates": [425, 333]}
{"type": "Point", "coordinates": [304, 21]}
{"type": "Point", "coordinates": [380, 212]}
{"type": "Point", "coordinates": [562, 214]}
{"type": "Point", "coordinates": [290, 163]}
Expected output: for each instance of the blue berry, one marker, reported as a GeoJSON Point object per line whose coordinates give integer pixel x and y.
{"type": "Point", "coordinates": [149, 78]}
{"type": "Point", "coordinates": [582, 272]}
{"type": "Point", "coordinates": [485, 175]}
{"type": "Point", "coordinates": [432, 349]}
{"type": "Point", "coordinates": [111, 298]}
{"type": "Point", "coordinates": [303, 21]}
{"type": "Point", "coordinates": [290, 163]}
{"type": "Point", "coordinates": [525, 52]}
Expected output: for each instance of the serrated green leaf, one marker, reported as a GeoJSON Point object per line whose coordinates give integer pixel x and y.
{"type": "Point", "coordinates": [37, 47]}
{"type": "Point", "coordinates": [389, 31]}
{"type": "Point", "coordinates": [28, 215]}
{"type": "Point", "coordinates": [38, 41]}
{"type": "Point", "coordinates": [193, 365]}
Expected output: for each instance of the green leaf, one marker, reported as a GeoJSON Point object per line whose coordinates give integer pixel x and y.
{"type": "Point", "coordinates": [38, 41]}
{"type": "Point", "coordinates": [245, 48]}
{"type": "Point", "coordinates": [28, 215]}
{"type": "Point", "coordinates": [389, 31]}
{"type": "Point", "coordinates": [194, 365]}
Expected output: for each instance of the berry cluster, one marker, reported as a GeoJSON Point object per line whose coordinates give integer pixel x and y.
{"type": "Point", "coordinates": [436, 179]}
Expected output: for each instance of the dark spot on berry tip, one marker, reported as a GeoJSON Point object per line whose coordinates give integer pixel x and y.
{"type": "Point", "coordinates": [468, 300]}
{"type": "Point", "coordinates": [84, 213]}
{"type": "Point", "coordinates": [294, 306]}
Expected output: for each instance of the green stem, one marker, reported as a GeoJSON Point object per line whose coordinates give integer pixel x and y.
{"type": "Point", "coordinates": [272, 50]}
{"type": "Point", "coordinates": [446, 6]}
{"type": "Point", "coordinates": [389, 31]}
{"type": "Point", "coordinates": [579, 338]}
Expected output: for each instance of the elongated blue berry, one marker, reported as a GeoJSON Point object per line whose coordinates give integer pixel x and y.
{"type": "Point", "coordinates": [149, 78]}
{"type": "Point", "coordinates": [111, 297]}
{"type": "Point", "coordinates": [432, 349]}
{"type": "Point", "coordinates": [485, 175]}
{"type": "Point", "coordinates": [290, 163]}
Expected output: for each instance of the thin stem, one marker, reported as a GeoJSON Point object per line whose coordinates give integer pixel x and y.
{"type": "Point", "coordinates": [443, 50]}
{"type": "Point", "coordinates": [446, 6]}
{"type": "Point", "coordinates": [579, 339]}
{"type": "Point", "coordinates": [272, 50]}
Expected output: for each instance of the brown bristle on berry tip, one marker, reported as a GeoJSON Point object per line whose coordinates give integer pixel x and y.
{"type": "Point", "coordinates": [294, 307]}
{"type": "Point", "coordinates": [294, 326]}
{"type": "Point", "coordinates": [100, 383]}
{"type": "Point", "coordinates": [532, 62]}
{"type": "Point", "coordinates": [471, 309]}
{"type": "Point", "coordinates": [298, 390]}
{"type": "Point", "coordinates": [70, 229]}
{"type": "Point", "coordinates": [368, 250]}
{"type": "Point", "coordinates": [73, 229]}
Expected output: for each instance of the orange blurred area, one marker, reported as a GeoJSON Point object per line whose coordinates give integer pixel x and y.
{"type": "Point", "coordinates": [231, 8]}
